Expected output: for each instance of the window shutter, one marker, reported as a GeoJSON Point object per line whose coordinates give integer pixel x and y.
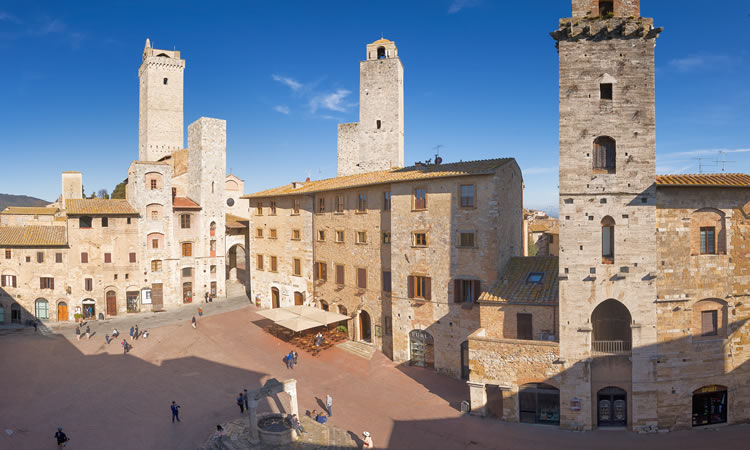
{"type": "Point", "coordinates": [410, 286]}
{"type": "Point", "coordinates": [2, 281]}
{"type": "Point", "coordinates": [14, 281]}
{"type": "Point", "coordinates": [477, 289]}
{"type": "Point", "coordinates": [84, 257]}
{"type": "Point", "coordinates": [316, 272]}
{"type": "Point", "coordinates": [51, 283]}
{"type": "Point", "coordinates": [427, 288]}
{"type": "Point", "coordinates": [456, 291]}
{"type": "Point", "coordinates": [323, 269]}
{"type": "Point", "coordinates": [132, 257]}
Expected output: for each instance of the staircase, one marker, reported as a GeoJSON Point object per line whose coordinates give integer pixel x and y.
{"type": "Point", "coordinates": [361, 349]}
{"type": "Point", "coordinates": [235, 289]}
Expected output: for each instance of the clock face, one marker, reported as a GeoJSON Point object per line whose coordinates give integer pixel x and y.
{"type": "Point", "coordinates": [230, 202]}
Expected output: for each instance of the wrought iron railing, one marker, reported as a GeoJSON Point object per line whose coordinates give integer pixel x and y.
{"type": "Point", "coordinates": [611, 347]}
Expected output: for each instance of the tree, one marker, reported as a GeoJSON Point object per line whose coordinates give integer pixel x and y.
{"type": "Point", "coordinates": [102, 193]}
{"type": "Point", "coordinates": [119, 191]}
{"type": "Point", "coordinates": [533, 250]}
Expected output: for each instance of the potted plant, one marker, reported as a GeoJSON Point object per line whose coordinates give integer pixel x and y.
{"type": "Point", "coordinates": [78, 317]}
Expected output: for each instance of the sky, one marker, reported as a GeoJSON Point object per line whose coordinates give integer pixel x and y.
{"type": "Point", "coordinates": [481, 81]}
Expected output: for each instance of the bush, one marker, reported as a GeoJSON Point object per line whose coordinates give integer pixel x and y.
{"type": "Point", "coordinates": [341, 329]}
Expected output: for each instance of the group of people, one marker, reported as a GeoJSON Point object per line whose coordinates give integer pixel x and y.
{"type": "Point", "coordinates": [318, 340]}
{"type": "Point", "coordinates": [290, 359]}
{"type": "Point", "coordinates": [80, 332]}
{"type": "Point", "coordinates": [242, 401]}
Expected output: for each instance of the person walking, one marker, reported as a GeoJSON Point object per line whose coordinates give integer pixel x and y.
{"type": "Point", "coordinates": [175, 411]}
{"type": "Point", "coordinates": [88, 332]}
{"type": "Point", "coordinates": [106, 338]}
{"type": "Point", "coordinates": [247, 408]}
{"type": "Point", "coordinates": [132, 330]}
{"type": "Point", "coordinates": [192, 322]}
{"type": "Point", "coordinates": [367, 440]}
{"type": "Point", "coordinates": [290, 357]}
{"type": "Point", "coordinates": [200, 311]}
{"type": "Point", "coordinates": [241, 403]}
{"type": "Point", "coordinates": [135, 333]}
{"type": "Point", "coordinates": [294, 356]}
{"type": "Point", "coordinates": [205, 298]}
{"type": "Point", "coordinates": [329, 404]}
{"type": "Point", "coordinates": [286, 361]}
{"type": "Point", "coordinates": [78, 333]}
{"type": "Point", "coordinates": [61, 438]}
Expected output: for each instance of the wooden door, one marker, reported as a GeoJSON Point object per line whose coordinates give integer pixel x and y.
{"type": "Point", "coordinates": [364, 327]}
{"type": "Point", "coordinates": [494, 401]}
{"type": "Point", "coordinates": [157, 295]}
{"type": "Point", "coordinates": [524, 329]}
{"type": "Point", "coordinates": [298, 298]}
{"type": "Point", "coordinates": [62, 312]}
{"type": "Point", "coordinates": [275, 300]}
{"type": "Point", "coordinates": [111, 303]}
{"type": "Point", "coordinates": [213, 289]}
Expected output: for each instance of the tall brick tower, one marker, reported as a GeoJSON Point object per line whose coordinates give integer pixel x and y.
{"type": "Point", "coordinates": [160, 128]}
{"type": "Point", "coordinates": [607, 215]}
{"type": "Point", "coordinates": [376, 142]}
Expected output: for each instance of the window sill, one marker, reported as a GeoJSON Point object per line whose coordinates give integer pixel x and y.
{"type": "Point", "coordinates": [418, 210]}
{"type": "Point", "coordinates": [339, 242]}
{"type": "Point", "coordinates": [293, 214]}
{"type": "Point", "coordinates": [360, 212]}
{"type": "Point", "coordinates": [361, 243]}
{"type": "Point", "coordinates": [420, 246]}
{"type": "Point", "coordinates": [603, 171]}
{"type": "Point", "coordinates": [467, 207]}
{"type": "Point", "coordinates": [297, 275]}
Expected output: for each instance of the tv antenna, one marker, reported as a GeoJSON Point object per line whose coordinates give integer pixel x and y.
{"type": "Point", "coordinates": [701, 164]}
{"type": "Point", "coordinates": [723, 160]}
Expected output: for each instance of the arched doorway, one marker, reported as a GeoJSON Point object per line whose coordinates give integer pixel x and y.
{"type": "Point", "coordinates": [612, 407]}
{"type": "Point", "coordinates": [365, 333]}
{"type": "Point", "coordinates": [275, 298]}
{"type": "Point", "coordinates": [111, 303]}
{"type": "Point", "coordinates": [15, 313]}
{"type": "Point", "coordinates": [465, 360]}
{"type": "Point", "coordinates": [324, 305]}
{"type": "Point", "coordinates": [539, 403]}
{"type": "Point", "coordinates": [710, 405]}
{"type": "Point", "coordinates": [187, 292]}
{"type": "Point", "coordinates": [421, 349]}
{"type": "Point", "coordinates": [299, 298]}
{"type": "Point", "coordinates": [41, 309]}
{"type": "Point", "coordinates": [89, 309]}
{"type": "Point", "coordinates": [236, 263]}
{"type": "Point", "coordinates": [611, 328]}
{"type": "Point", "coordinates": [62, 312]}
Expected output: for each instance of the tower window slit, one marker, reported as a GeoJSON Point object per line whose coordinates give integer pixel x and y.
{"type": "Point", "coordinates": [378, 124]}
{"type": "Point", "coordinates": [166, 80]}
{"type": "Point", "coordinates": [605, 91]}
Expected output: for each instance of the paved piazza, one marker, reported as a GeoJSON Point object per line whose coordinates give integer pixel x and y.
{"type": "Point", "coordinates": [105, 400]}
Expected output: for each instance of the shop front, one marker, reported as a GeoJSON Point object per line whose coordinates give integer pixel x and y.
{"type": "Point", "coordinates": [539, 403]}
{"type": "Point", "coordinates": [710, 405]}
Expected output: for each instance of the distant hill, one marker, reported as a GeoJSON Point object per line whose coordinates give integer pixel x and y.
{"type": "Point", "coordinates": [20, 200]}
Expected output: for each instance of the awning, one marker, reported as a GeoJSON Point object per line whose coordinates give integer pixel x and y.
{"type": "Point", "coordinates": [299, 318]}
{"type": "Point", "coordinates": [277, 314]}
{"type": "Point", "coordinates": [299, 323]}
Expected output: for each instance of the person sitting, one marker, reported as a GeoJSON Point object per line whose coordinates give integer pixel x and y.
{"type": "Point", "coordinates": [115, 333]}
{"type": "Point", "coordinates": [144, 335]}
{"type": "Point", "coordinates": [319, 417]}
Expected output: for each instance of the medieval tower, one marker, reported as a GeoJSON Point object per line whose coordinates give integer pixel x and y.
{"type": "Point", "coordinates": [376, 142]}
{"type": "Point", "coordinates": [607, 215]}
{"type": "Point", "coordinates": [160, 106]}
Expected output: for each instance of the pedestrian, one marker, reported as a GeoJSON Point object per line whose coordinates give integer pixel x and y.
{"type": "Point", "coordinates": [367, 440]}
{"type": "Point", "coordinates": [219, 432]}
{"type": "Point", "coordinates": [132, 330]}
{"type": "Point", "coordinates": [115, 333]}
{"type": "Point", "coordinates": [125, 347]}
{"type": "Point", "coordinates": [241, 403]}
{"type": "Point", "coordinates": [297, 426]}
{"type": "Point", "coordinates": [135, 336]}
{"type": "Point", "coordinates": [175, 411]}
{"type": "Point", "coordinates": [200, 311]}
{"type": "Point", "coordinates": [286, 361]}
{"type": "Point", "coordinates": [193, 322]}
{"type": "Point", "coordinates": [61, 438]}
{"type": "Point", "coordinates": [290, 357]}
{"type": "Point", "coordinates": [294, 357]}
{"type": "Point", "coordinates": [329, 404]}
{"type": "Point", "coordinates": [78, 333]}
{"type": "Point", "coordinates": [246, 401]}
{"type": "Point", "coordinates": [88, 332]}
{"type": "Point", "coordinates": [106, 338]}
{"type": "Point", "coordinates": [205, 299]}
{"type": "Point", "coordinates": [34, 324]}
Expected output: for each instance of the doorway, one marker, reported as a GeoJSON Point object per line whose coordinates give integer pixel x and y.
{"type": "Point", "coordinates": [15, 313]}
{"type": "Point", "coordinates": [111, 303]}
{"type": "Point", "coordinates": [494, 401]}
{"type": "Point", "coordinates": [275, 298]}
{"type": "Point", "coordinates": [2, 315]}
{"type": "Point", "coordinates": [710, 405]}
{"type": "Point", "coordinates": [612, 407]}
{"type": "Point", "coordinates": [364, 327]}
{"type": "Point", "coordinates": [421, 349]}
{"type": "Point", "coordinates": [62, 312]}
{"type": "Point", "coordinates": [299, 299]}
{"type": "Point", "coordinates": [131, 297]}
{"type": "Point", "coordinates": [539, 403]}
{"type": "Point", "coordinates": [157, 296]}
{"type": "Point", "coordinates": [89, 309]}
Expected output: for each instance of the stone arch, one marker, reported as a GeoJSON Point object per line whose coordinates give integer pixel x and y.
{"type": "Point", "coordinates": [421, 349]}
{"type": "Point", "coordinates": [237, 263]}
{"type": "Point", "coordinates": [709, 319]}
{"type": "Point", "coordinates": [708, 232]}
{"type": "Point", "coordinates": [381, 53]}
{"type": "Point", "coordinates": [611, 331]}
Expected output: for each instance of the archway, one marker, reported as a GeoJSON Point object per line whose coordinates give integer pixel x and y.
{"type": "Point", "coordinates": [236, 263]}
{"type": "Point", "coordinates": [299, 298]}
{"type": "Point", "coordinates": [710, 405]}
{"type": "Point", "coordinates": [611, 328]}
{"type": "Point", "coordinates": [275, 298]}
{"type": "Point", "coordinates": [41, 309]}
{"type": "Point", "coordinates": [89, 309]}
{"type": "Point", "coordinates": [612, 407]}
{"type": "Point", "coordinates": [539, 403]}
{"type": "Point", "coordinates": [111, 303]}
{"type": "Point", "coordinates": [365, 333]}
{"type": "Point", "coordinates": [62, 312]}
{"type": "Point", "coordinates": [421, 349]}
{"type": "Point", "coordinates": [15, 313]}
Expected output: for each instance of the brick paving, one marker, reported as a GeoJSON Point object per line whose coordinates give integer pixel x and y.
{"type": "Point", "coordinates": [105, 399]}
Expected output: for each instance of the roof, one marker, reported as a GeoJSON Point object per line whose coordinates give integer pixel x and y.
{"type": "Point", "coordinates": [29, 210]}
{"type": "Point", "coordinates": [233, 221]}
{"type": "Point", "coordinates": [382, 41]}
{"type": "Point", "coordinates": [513, 287]}
{"type": "Point", "coordinates": [705, 180]}
{"type": "Point", "coordinates": [413, 173]}
{"type": "Point", "coordinates": [32, 236]}
{"type": "Point", "coordinates": [539, 228]}
{"type": "Point", "coordinates": [184, 203]}
{"type": "Point", "coordinates": [71, 171]}
{"type": "Point", "coordinates": [98, 206]}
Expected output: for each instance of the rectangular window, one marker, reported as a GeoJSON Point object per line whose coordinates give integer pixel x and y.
{"type": "Point", "coordinates": [88, 284]}
{"type": "Point", "coordinates": [273, 207]}
{"type": "Point", "coordinates": [7, 254]}
{"type": "Point", "coordinates": [321, 271]}
{"type": "Point", "coordinates": [156, 265]}
{"type": "Point", "coordinates": [321, 205]}
{"type": "Point", "coordinates": [58, 257]}
{"type": "Point", "coordinates": [28, 259]}
{"type": "Point", "coordinates": [84, 257]}
{"type": "Point", "coordinates": [420, 198]}
{"type": "Point", "coordinates": [524, 329]}
{"type": "Point", "coordinates": [274, 264]}
{"type": "Point", "coordinates": [297, 267]}
{"type": "Point", "coordinates": [155, 243]}
{"type": "Point", "coordinates": [709, 323]}
{"type": "Point", "coordinates": [605, 91]}
{"type": "Point", "coordinates": [339, 203]}
{"type": "Point", "coordinates": [339, 236]}
{"type": "Point", "coordinates": [386, 201]}
{"type": "Point", "coordinates": [361, 278]}
{"type": "Point", "coordinates": [467, 196]}
{"type": "Point", "coordinates": [608, 247]}
{"type": "Point", "coordinates": [419, 287]}
{"type": "Point", "coordinates": [361, 237]}
{"type": "Point", "coordinates": [259, 232]}
{"type": "Point", "coordinates": [84, 222]}
{"type": "Point", "coordinates": [187, 272]}
{"type": "Point", "coordinates": [386, 237]}
{"type": "Point", "coordinates": [272, 233]}
{"type": "Point", "coordinates": [153, 184]}
{"type": "Point", "coordinates": [105, 222]}
{"type": "Point", "coordinates": [131, 257]}
{"type": "Point", "coordinates": [295, 206]}
{"type": "Point", "coordinates": [154, 215]}
{"type": "Point", "coordinates": [40, 257]}
{"type": "Point", "coordinates": [321, 235]}
{"type": "Point", "coordinates": [128, 220]}
{"type": "Point", "coordinates": [185, 221]}
{"type": "Point", "coordinates": [108, 257]}
{"type": "Point", "coordinates": [212, 248]}
{"type": "Point", "coordinates": [362, 203]}
{"type": "Point", "coordinates": [708, 241]}
{"type": "Point", "coordinates": [259, 208]}
{"type": "Point", "coordinates": [46, 283]}
{"type": "Point", "coordinates": [386, 281]}
{"type": "Point", "coordinates": [419, 239]}
{"type": "Point", "coordinates": [466, 291]}
{"type": "Point", "coordinates": [259, 262]}
{"type": "Point", "coordinates": [8, 281]}
{"type": "Point", "coordinates": [296, 235]}
{"type": "Point", "coordinates": [187, 249]}
{"type": "Point", "coordinates": [466, 239]}
{"type": "Point", "coordinates": [340, 274]}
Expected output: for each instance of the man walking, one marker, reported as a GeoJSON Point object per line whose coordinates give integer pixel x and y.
{"type": "Point", "coordinates": [290, 358]}
{"type": "Point", "coordinates": [205, 300]}
{"type": "Point", "coordinates": [61, 438]}
{"type": "Point", "coordinates": [78, 333]}
{"type": "Point", "coordinates": [175, 411]}
{"type": "Point", "coordinates": [246, 401]}
{"type": "Point", "coordinates": [88, 332]}
{"type": "Point", "coordinates": [125, 346]}
{"type": "Point", "coordinates": [241, 403]}
{"type": "Point", "coordinates": [329, 404]}
{"type": "Point", "coordinates": [193, 322]}
{"type": "Point", "coordinates": [135, 336]}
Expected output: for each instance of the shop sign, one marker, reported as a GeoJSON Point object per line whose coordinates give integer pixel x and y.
{"type": "Point", "coordinates": [146, 296]}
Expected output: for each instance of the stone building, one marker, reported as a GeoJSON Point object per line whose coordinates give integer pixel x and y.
{"type": "Point", "coordinates": [652, 280]}
{"type": "Point", "coordinates": [164, 245]}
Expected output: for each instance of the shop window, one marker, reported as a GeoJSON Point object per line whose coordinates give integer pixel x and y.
{"type": "Point", "coordinates": [710, 405]}
{"type": "Point", "coordinates": [539, 403]}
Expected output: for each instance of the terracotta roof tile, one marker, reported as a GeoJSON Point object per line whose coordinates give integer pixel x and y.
{"type": "Point", "coordinates": [413, 173]}
{"type": "Point", "coordinates": [29, 210]}
{"type": "Point", "coordinates": [32, 236]}
{"type": "Point", "coordinates": [98, 206]}
{"type": "Point", "coordinates": [514, 287]}
{"type": "Point", "coordinates": [705, 180]}
{"type": "Point", "coordinates": [233, 221]}
{"type": "Point", "coordinates": [540, 228]}
{"type": "Point", "coordinates": [184, 203]}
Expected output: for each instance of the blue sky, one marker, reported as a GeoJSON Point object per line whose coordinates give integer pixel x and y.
{"type": "Point", "coordinates": [480, 79]}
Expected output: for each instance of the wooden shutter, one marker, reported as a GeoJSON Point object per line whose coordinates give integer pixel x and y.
{"type": "Point", "coordinates": [107, 257]}
{"type": "Point", "coordinates": [456, 291]}
{"type": "Point", "coordinates": [339, 274]}
{"type": "Point", "coordinates": [13, 281]}
{"type": "Point", "coordinates": [316, 272]}
{"type": "Point", "coordinates": [523, 327]}
{"type": "Point", "coordinates": [477, 289]}
{"type": "Point", "coordinates": [410, 286]}
{"type": "Point", "coordinates": [2, 281]}
{"type": "Point", "coordinates": [324, 269]}
{"type": "Point", "coordinates": [427, 288]}
{"type": "Point", "coordinates": [362, 278]}
{"type": "Point", "coordinates": [132, 257]}
{"type": "Point", "coordinates": [84, 257]}
{"type": "Point", "coordinates": [708, 323]}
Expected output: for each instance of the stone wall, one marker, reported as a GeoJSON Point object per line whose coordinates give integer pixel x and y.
{"type": "Point", "coordinates": [499, 320]}
{"type": "Point", "coordinates": [348, 149]}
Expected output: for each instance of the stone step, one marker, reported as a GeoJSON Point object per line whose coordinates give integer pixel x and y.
{"type": "Point", "coordinates": [361, 349]}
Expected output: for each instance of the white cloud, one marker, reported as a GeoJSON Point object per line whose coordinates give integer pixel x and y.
{"type": "Point", "coordinates": [290, 82]}
{"type": "Point", "coordinates": [539, 170]}
{"type": "Point", "coordinates": [333, 101]}
{"type": "Point", "coordinates": [694, 62]}
{"type": "Point", "coordinates": [712, 151]}
{"type": "Point", "coordinates": [282, 109]}
{"type": "Point", "coordinates": [8, 17]}
{"type": "Point", "coordinates": [458, 5]}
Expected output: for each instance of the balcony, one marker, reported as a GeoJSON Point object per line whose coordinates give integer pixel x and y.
{"type": "Point", "coordinates": [601, 348]}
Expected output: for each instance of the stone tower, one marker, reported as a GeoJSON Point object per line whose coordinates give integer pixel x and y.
{"type": "Point", "coordinates": [376, 142]}
{"type": "Point", "coordinates": [160, 129]}
{"type": "Point", "coordinates": [607, 215]}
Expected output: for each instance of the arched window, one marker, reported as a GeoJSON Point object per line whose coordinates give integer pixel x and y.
{"type": "Point", "coordinates": [41, 309]}
{"type": "Point", "coordinates": [213, 228]}
{"type": "Point", "coordinates": [707, 232]}
{"type": "Point", "coordinates": [611, 328]}
{"type": "Point", "coordinates": [608, 240]}
{"type": "Point", "coordinates": [381, 52]}
{"type": "Point", "coordinates": [605, 155]}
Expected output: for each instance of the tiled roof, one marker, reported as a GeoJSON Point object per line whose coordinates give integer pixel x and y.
{"type": "Point", "coordinates": [540, 228]}
{"type": "Point", "coordinates": [184, 203]}
{"type": "Point", "coordinates": [514, 288]}
{"type": "Point", "coordinates": [98, 206]}
{"type": "Point", "coordinates": [29, 210]}
{"type": "Point", "coordinates": [32, 236]}
{"type": "Point", "coordinates": [233, 221]}
{"type": "Point", "coordinates": [413, 173]}
{"type": "Point", "coordinates": [705, 180]}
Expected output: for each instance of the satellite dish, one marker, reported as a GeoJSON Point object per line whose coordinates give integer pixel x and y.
{"type": "Point", "coordinates": [438, 160]}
